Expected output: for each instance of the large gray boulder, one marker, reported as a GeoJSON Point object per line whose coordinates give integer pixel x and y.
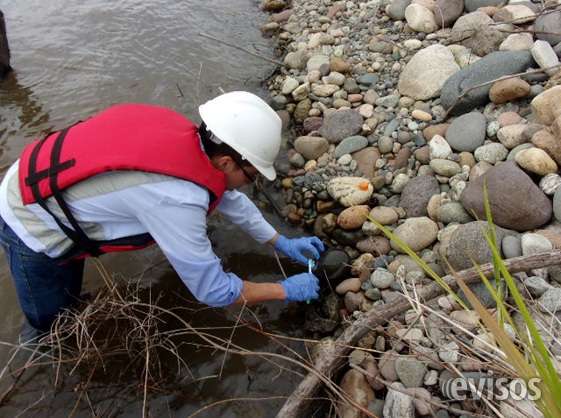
{"type": "Point", "coordinates": [488, 68]}
{"type": "Point", "coordinates": [473, 5]}
{"type": "Point", "coordinates": [448, 11]}
{"type": "Point", "coordinates": [516, 201]}
{"type": "Point", "coordinates": [416, 195]}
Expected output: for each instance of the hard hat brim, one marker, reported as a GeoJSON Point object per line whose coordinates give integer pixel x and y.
{"type": "Point", "coordinates": [269, 172]}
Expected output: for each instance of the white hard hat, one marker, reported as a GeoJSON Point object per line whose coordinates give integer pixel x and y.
{"type": "Point", "coordinates": [246, 123]}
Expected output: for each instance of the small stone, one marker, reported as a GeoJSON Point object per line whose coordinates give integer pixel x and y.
{"type": "Point", "coordinates": [511, 246]}
{"type": "Point", "coordinates": [353, 217]}
{"type": "Point", "coordinates": [420, 19]}
{"type": "Point", "coordinates": [289, 85]}
{"type": "Point", "coordinates": [491, 153]}
{"type": "Point", "coordinates": [509, 118]}
{"type": "Point", "coordinates": [546, 106]}
{"type": "Point", "coordinates": [417, 233]}
{"type": "Point", "coordinates": [536, 161]}
{"type": "Point", "coordinates": [410, 371]}
{"type": "Point", "coordinates": [350, 144]}
{"type": "Point", "coordinates": [439, 148]}
{"type": "Point", "coordinates": [420, 115]}
{"type": "Point", "coordinates": [535, 244]}
{"type": "Point", "coordinates": [537, 286]}
{"type": "Point", "coordinates": [504, 91]}
{"type": "Point", "coordinates": [384, 215]}
{"type": "Point", "coordinates": [445, 168]}
{"type": "Point", "coordinates": [349, 285]}
{"type": "Point", "coordinates": [398, 404]}
{"type": "Point", "coordinates": [550, 183]}
{"type": "Point", "coordinates": [381, 279]}
{"type": "Point", "coordinates": [512, 135]}
{"type": "Point", "coordinates": [467, 132]}
{"type": "Point", "coordinates": [517, 42]}
{"type": "Point", "coordinates": [385, 144]}
{"type": "Point", "coordinates": [311, 147]}
{"type": "Point", "coordinates": [449, 353]}
{"type": "Point", "coordinates": [545, 56]}
{"type": "Point", "coordinates": [550, 302]}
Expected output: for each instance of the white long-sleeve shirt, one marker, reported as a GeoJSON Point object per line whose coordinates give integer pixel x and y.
{"type": "Point", "coordinates": [174, 213]}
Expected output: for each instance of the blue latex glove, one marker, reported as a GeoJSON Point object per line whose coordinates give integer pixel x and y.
{"type": "Point", "coordinates": [301, 287]}
{"type": "Point", "coordinates": [296, 248]}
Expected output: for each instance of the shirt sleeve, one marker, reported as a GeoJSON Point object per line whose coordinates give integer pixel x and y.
{"type": "Point", "coordinates": [176, 219]}
{"type": "Point", "coordinates": [240, 210]}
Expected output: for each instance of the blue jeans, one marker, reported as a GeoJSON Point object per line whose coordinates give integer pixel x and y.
{"type": "Point", "coordinates": [45, 286]}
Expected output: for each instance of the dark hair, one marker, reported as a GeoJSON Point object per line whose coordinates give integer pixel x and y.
{"type": "Point", "coordinates": [212, 149]}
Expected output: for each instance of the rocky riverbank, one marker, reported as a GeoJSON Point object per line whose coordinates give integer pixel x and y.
{"type": "Point", "coordinates": [394, 111]}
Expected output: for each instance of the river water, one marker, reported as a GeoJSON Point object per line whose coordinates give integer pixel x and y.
{"type": "Point", "coordinates": [73, 58]}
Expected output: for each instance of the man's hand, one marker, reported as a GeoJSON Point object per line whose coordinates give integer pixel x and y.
{"type": "Point", "coordinates": [301, 287]}
{"type": "Point", "coordinates": [297, 247]}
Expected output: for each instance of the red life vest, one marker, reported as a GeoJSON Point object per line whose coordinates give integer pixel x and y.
{"type": "Point", "coordinates": [137, 137]}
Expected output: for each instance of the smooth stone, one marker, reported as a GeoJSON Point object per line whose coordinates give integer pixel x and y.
{"type": "Point", "coordinates": [448, 11]}
{"type": "Point", "coordinates": [504, 91]}
{"type": "Point", "coordinates": [353, 217]}
{"type": "Point", "coordinates": [511, 246]}
{"type": "Point", "coordinates": [420, 19]}
{"type": "Point", "coordinates": [311, 147]}
{"type": "Point", "coordinates": [410, 371]}
{"type": "Point", "coordinates": [374, 245]}
{"type": "Point", "coordinates": [516, 202]}
{"type": "Point", "coordinates": [340, 125]}
{"type": "Point", "coordinates": [473, 5]}
{"type": "Point", "coordinates": [550, 183]}
{"type": "Point", "coordinates": [548, 24]}
{"type": "Point", "coordinates": [467, 132]}
{"type": "Point", "coordinates": [535, 244]}
{"type": "Point", "coordinates": [396, 9]}
{"type": "Point", "coordinates": [536, 161]}
{"type": "Point", "coordinates": [468, 243]}
{"type": "Point", "coordinates": [349, 285]}
{"type": "Point", "coordinates": [512, 135]}
{"type": "Point", "coordinates": [417, 194]}
{"type": "Point", "coordinates": [366, 160]}
{"type": "Point", "coordinates": [453, 212]}
{"type": "Point", "coordinates": [517, 42]}
{"type": "Point", "coordinates": [385, 144]}
{"type": "Point", "coordinates": [350, 144]}
{"type": "Point", "coordinates": [333, 264]}
{"type": "Point", "coordinates": [439, 147]}
{"type": "Point", "coordinates": [445, 168]}
{"type": "Point", "coordinates": [490, 67]}
{"type": "Point", "coordinates": [509, 118]}
{"type": "Point", "coordinates": [537, 286]}
{"type": "Point", "coordinates": [417, 233]}
{"type": "Point", "coordinates": [491, 153]}
{"type": "Point", "coordinates": [384, 215]}
{"type": "Point", "coordinates": [545, 56]}
{"type": "Point", "coordinates": [514, 152]}
{"type": "Point", "coordinates": [550, 301]}
{"type": "Point", "coordinates": [476, 32]}
{"type": "Point", "coordinates": [381, 279]}
{"type": "Point", "coordinates": [387, 365]}
{"type": "Point", "coordinates": [546, 107]}
{"type": "Point", "coordinates": [440, 129]}
{"type": "Point", "coordinates": [425, 74]}
{"type": "Point", "coordinates": [316, 61]}
{"type": "Point", "coordinates": [357, 388]}
{"type": "Point", "coordinates": [514, 12]}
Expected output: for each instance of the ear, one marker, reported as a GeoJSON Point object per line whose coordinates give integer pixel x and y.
{"type": "Point", "coordinates": [224, 163]}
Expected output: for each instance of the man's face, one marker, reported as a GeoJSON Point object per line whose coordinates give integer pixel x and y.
{"type": "Point", "coordinates": [237, 175]}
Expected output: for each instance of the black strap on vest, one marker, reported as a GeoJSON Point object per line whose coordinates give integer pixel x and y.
{"type": "Point", "coordinates": [76, 233]}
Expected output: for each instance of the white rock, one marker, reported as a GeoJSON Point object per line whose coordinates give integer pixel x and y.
{"type": "Point", "coordinates": [439, 148]}
{"type": "Point", "coordinates": [463, 55]}
{"type": "Point", "coordinates": [398, 404]}
{"type": "Point", "coordinates": [412, 44]}
{"type": "Point", "coordinates": [518, 12]}
{"type": "Point", "coordinates": [316, 61]}
{"type": "Point", "coordinates": [517, 42]}
{"type": "Point", "coordinates": [420, 19]}
{"type": "Point", "coordinates": [535, 244]}
{"type": "Point", "coordinates": [550, 183]}
{"type": "Point", "coordinates": [545, 56]}
{"type": "Point", "coordinates": [350, 191]}
{"type": "Point", "coordinates": [449, 353]}
{"type": "Point", "coordinates": [366, 110]}
{"type": "Point", "coordinates": [324, 90]}
{"type": "Point", "coordinates": [289, 85]}
{"type": "Point", "coordinates": [426, 72]}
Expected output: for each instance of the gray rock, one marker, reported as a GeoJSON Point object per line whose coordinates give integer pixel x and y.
{"type": "Point", "coordinates": [491, 153]}
{"type": "Point", "coordinates": [311, 147]}
{"type": "Point", "coordinates": [350, 144]}
{"type": "Point", "coordinates": [516, 202]}
{"type": "Point", "coordinates": [297, 160]}
{"type": "Point", "coordinates": [511, 246]}
{"type": "Point", "coordinates": [445, 168]}
{"type": "Point", "coordinates": [447, 11]}
{"type": "Point", "coordinates": [475, 32]}
{"type": "Point", "coordinates": [453, 212]}
{"type": "Point", "coordinates": [557, 204]}
{"type": "Point", "coordinates": [550, 300]}
{"type": "Point", "coordinates": [537, 285]}
{"type": "Point", "coordinates": [398, 405]}
{"type": "Point", "coordinates": [473, 5]}
{"type": "Point", "coordinates": [490, 67]}
{"type": "Point", "coordinates": [548, 22]}
{"type": "Point", "coordinates": [396, 9]}
{"type": "Point", "coordinates": [467, 132]}
{"type": "Point", "coordinates": [381, 278]}
{"type": "Point", "coordinates": [416, 195]}
{"type": "Point", "coordinates": [340, 125]}
{"type": "Point", "coordinates": [410, 372]}
{"type": "Point", "coordinates": [468, 242]}
{"type": "Point", "coordinates": [385, 144]}
{"type": "Point", "coordinates": [535, 244]}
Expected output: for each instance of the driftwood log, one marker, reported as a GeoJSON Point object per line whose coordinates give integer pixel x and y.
{"type": "Point", "coordinates": [5, 67]}
{"type": "Point", "coordinates": [333, 357]}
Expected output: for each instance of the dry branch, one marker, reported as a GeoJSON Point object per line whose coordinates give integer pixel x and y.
{"type": "Point", "coordinates": [334, 355]}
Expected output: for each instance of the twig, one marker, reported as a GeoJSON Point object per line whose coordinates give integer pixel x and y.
{"type": "Point", "coordinates": [247, 51]}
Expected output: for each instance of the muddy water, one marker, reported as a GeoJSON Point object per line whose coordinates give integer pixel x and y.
{"type": "Point", "coordinates": [73, 58]}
